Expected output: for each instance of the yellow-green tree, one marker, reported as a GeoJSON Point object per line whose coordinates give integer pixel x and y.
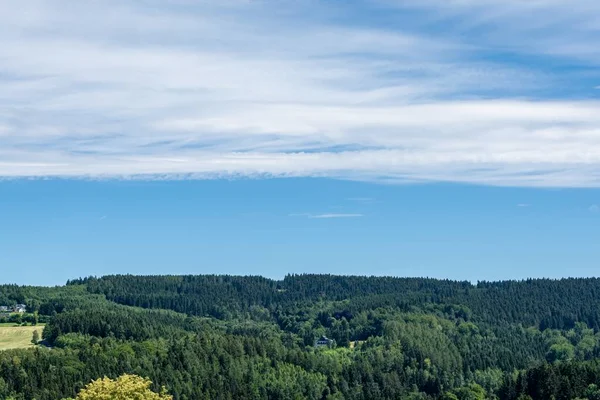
{"type": "Point", "coordinates": [126, 387]}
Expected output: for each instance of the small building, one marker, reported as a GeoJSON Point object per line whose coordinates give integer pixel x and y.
{"type": "Point", "coordinates": [5, 311]}
{"type": "Point", "coordinates": [324, 342]}
{"type": "Point", "coordinates": [20, 308]}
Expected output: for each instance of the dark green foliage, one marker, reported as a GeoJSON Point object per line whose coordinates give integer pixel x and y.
{"type": "Point", "coordinates": [116, 321]}
{"type": "Point", "coordinates": [544, 303]}
{"type": "Point", "coordinates": [229, 337]}
{"type": "Point", "coordinates": [35, 337]}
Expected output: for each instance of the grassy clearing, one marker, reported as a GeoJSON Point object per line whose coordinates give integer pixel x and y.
{"type": "Point", "coordinates": [17, 337]}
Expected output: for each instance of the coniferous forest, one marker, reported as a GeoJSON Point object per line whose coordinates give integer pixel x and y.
{"type": "Point", "coordinates": [230, 337]}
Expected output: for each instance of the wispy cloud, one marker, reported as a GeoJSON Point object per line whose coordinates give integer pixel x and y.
{"type": "Point", "coordinates": [225, 89]}
{"type": "Point", "coordinates": [559, 29]}
{"type": "Point", "coordinates": [327, 215]}
{"type": "Point", "coordinates": [523, 205]}
{"type": "Point", "coordinates": [337, 216]}
{"type": "Point", "coordinates": [594, 208]}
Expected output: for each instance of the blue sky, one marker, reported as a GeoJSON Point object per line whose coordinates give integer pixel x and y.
{"type": "Point", "coordinates": [53, 230]}
{"type": "Point", "coordinates": [117, 119]}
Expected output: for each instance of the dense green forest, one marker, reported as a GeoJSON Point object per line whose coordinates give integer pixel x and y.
{"type": "Point", "coordinates": [229, 337]}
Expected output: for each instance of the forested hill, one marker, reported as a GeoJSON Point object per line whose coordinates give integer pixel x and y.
{"type": "Point", "coordinates": [230, 337]}
{"type": "Point", "coordinates": [542, 303]}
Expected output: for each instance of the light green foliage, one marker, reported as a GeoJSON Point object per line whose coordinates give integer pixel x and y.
{"type": "Point", "coordinates": [584, 350]}
{"type": "Point", "coordinates": [490, 379]}
{"type": "Point", "coordinates": [561, 352]}
{"type": "Point", "coordinates": [592, 392]}
{"type": "Point", "coordinates": [292, 382]}
{"type": "Point", "coordinates": [449, 396]}
{"type": "Point", "coordinates": [126, 387]}
{"type": "Point", "coordinates": [578, 343]}
{"type": "Point", "coordinates": [468, 328]}
{"type": "Point", "coordinates": [424, 337]}
{"type": "Point", "coordinates": [470, 392]}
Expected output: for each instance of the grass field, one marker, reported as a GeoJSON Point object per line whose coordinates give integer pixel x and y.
{"type": "Point", "coordinates": [17, 337]}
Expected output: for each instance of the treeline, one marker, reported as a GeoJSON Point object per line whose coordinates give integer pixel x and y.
{"type": "Point", "coordinates": [559, 381]}
{"type": "Point", "coordinates": [48, 300]}
{"type": "Point", "coordinates": [203, 366]}
{"type": "Point", "coordinates": [544, 303]}
{"type": "Point", "coordinates": [228, 337]}
{"type": "Point", "coordinates": [198, 359]}
{"type": "Point", "coordinates": [224, 296]}
{"type": "Point", "coordinates": [111, 320]}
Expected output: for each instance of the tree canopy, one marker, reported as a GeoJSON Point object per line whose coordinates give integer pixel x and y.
{"type": "Point", "coordinates": [231, 337]}
{"type": "Point", "coordinates": [125, 387]}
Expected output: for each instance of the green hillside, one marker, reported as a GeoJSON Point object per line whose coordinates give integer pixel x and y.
{"type": "Point", "coordinates": [231, 337]}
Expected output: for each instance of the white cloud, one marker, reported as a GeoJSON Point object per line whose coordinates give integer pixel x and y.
{"type": "Point", "coordinates": [327, 215]}
{"type": "Point", "coordinates": [233, 89]}
{"type": "Point", "coordinates": [594, 208]}
{"type": "Point", "coordinates": [523, 205]}
{"type": "Point", "coordinates": [337, 216]}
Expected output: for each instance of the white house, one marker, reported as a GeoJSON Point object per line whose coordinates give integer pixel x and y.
{"type": "Point", "coordinates": [20, 308]}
